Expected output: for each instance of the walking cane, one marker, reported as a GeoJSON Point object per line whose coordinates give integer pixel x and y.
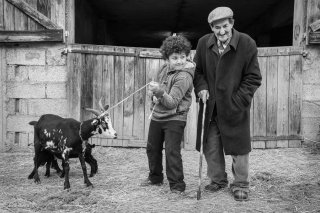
{"type": "Point", "coordinates": [201, 152]}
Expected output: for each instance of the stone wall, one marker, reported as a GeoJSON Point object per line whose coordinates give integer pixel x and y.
{"type": "Point", "coordinates": [36, 77]}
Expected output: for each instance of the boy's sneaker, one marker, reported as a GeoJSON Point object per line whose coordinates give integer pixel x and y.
{"type": "Point", "coordinates": [213, 187]}
{"type": "Point", "coordinates": [148, 182]}
{"type": "Point", "coordinates": [175, 191]}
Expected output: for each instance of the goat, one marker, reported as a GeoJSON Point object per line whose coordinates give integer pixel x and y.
{"type": "Point", "coordinates": [60, 136]}
{"type": "Point", "coordinates": [50, 160]}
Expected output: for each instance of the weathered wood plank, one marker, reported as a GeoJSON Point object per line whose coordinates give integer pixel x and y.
{"type": "Point", "coordinates": [272, 97]}
{"type": "Point", "coordinates": [31, 36]}
{"type": "Point", "coordinates": [74, 85]}
{"type": "Point", "coordinates": [315, 25]}
{"type": "Point", "coordinates": [97, 82]}
{"type": "Point", "coordinates": [260, 102]}
{"type": "Point", "coordinates": [44, 7]}
{"type": "Point", "coordinates": [58, 13]}
{"type": "Point", "coordinates": [295, 91]}
{"type": "Point", "coordinates": [190, 134]}
{"type": "Point", "coordinates": [3, 116]}
{"type": "Point", "coordinates": [2, 14]}
{"type": "Point", "coordinates": [70, 21]}
{"type": "Point", "coordinates": [283, 94]}
{"type": "Point", "coordinates": [314, 38]}
{"type": "Point", "coordinates": [313, 11]}
{"type": "Point", "coordinates": [129, 68]}
{"type": "Point", "coordinates": [34, 14]}
{"type": "Point", "coordinates": [299, 22]}
{"type": "Point", "coordinates": [139, 100]}
{"type": "Point", "coordinates": [152, 66]}
{"type": "Point", "coordinates": [86, 91]}
{"type": "Point", "coordinates": [119, 81]}
{"type": "Point", "coordinates": [32, 25]}
{"type": "Point", "coordinates": [20, 20]}
{"type": "Point", "coordinates": [276, 138]}
{"type": "Point", "coordinates": [8, 16]}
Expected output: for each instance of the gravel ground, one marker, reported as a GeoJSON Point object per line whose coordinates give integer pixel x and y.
{"type": "Point", "coordinates": [282, 180]}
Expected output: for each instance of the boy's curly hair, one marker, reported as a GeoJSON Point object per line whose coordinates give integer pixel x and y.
{"type": "Point", "coordinates": [175, 44]}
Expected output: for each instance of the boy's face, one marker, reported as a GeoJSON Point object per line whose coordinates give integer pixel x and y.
{"type": "Point", "coordinates": [177, 60]}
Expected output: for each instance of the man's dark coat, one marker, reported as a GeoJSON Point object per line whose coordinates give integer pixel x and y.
{"type": "Point", "coordinates": [231, 78]}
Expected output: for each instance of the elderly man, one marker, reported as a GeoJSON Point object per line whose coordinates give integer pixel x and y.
{"type": "Point", "coordinates": [226, 77]}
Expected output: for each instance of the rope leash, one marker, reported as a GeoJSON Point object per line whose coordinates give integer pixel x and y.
{"type": "Point", "coordinates": [129, 96]}
{"type": "Point", "coordinates": [132, 95]}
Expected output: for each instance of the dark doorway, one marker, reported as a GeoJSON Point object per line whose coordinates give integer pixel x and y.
{"type": "Point", "coordinates": [145, 23]}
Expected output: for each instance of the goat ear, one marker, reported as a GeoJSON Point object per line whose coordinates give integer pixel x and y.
{"type": "Point", "coordinates": [106, 107]}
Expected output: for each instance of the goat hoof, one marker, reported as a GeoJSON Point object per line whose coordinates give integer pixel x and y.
{"type": "Point", "coordinates": [89, 184]}
{"type": "Point", "coordinates": [66, 186]}
{"type": "Point", "coordinates": [30, 176]}
{"type": "Point", "coordinates": [47, 175]}
{"type": "Point", "coordinates": [62, 176]}
{"type": "Point", "coordinates": [91, 175]}
{"type": "Point", "coordinates": [37, 181]}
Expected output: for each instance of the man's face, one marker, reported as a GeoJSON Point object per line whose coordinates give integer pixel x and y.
{"type": "Point", "coordinates": [222, 29]}
{"type": "Point", "coordinates": [177, 60]}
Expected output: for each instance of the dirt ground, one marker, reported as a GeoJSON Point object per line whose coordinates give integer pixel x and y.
{"type": "Point", "coordinates": [282, 180]}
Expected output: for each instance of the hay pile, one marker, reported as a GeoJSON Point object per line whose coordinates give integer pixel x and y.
{"type": "Point", "coordinates": [282, 180]}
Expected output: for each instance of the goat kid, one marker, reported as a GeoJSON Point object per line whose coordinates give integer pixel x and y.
{"type": "Point", "coordinates": [50, 160]}
{"type": "Point", "coordinates": [60, 136]}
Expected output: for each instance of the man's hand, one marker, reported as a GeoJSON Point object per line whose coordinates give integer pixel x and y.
{"type": "Point", "coordinates": [204, 95]}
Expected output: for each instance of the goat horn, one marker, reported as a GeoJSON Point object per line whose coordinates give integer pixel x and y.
{"type": "Point", "coordinates": [96, 112]}
{"type": "Point", "coordinates": [100, 105]}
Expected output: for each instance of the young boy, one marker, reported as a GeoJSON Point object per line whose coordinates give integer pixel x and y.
{"type": "Point", "coordinates": [171, 99]}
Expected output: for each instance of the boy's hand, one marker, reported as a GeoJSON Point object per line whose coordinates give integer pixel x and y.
{"type": "Point", "coordinates": [156, 89]}
{"type": "Point", "coordinates": [155, 100]}
{"type": "Point", "coordinates": [154, 86]}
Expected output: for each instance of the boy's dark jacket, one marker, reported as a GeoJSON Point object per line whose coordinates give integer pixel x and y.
{"type": "Point", "coordinates": [175, 93]}
{"type": "Point", "coordinates": [231, 79]}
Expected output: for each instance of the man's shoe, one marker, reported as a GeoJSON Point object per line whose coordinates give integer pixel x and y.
{"type": "Point", "coordinates": [240, 195]}
{"type": "Point", "coordinates": [148, 182]}
{"type": "Point", "coordinates": [213, 187]}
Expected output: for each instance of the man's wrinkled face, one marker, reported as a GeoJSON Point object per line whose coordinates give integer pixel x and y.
{"type": "Point", "coordinates": [222, 29]}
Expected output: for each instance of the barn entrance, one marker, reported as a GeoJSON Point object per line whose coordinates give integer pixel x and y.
{"type": "Point", "coordinates": [135, 29]}
{"type": "Point", "coordinates": [113, 73]}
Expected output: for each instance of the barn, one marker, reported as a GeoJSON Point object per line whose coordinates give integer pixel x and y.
{"type": "Point", "coordinates": [61, 56]}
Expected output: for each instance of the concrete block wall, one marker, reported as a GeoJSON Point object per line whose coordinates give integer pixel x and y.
{"type": "Point", "coordinates": [311, 94]}
{"type": "Point", "coordinates": [35, 84]}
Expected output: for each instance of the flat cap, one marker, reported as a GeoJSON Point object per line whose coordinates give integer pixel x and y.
{"type": "Point", "coordinates": [220, 13]}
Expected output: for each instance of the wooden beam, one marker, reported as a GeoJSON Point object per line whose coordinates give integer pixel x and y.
{"type": "Point", "coordinates": [299, 23]}
{"type": "Point", "coordinates": [34, 14]}
{"type": "Point", "coordinates": [31, 36]}
{"type": "Point", "coordinates": [314, 38]}
{"type": "Point", "coordinates": [313, 11]}
{"type": "Point", "coordinates": [70, 21]}
{"type": "Point", "coordinates": [3, 101]}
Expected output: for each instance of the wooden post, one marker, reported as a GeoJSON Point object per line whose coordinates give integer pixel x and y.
{"type": "Point", "coordinates": [299, 22]}
{"type": "Point", "coordinates": [70, 21]}
{"type": "Point", "coordinates": [3, 117]}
